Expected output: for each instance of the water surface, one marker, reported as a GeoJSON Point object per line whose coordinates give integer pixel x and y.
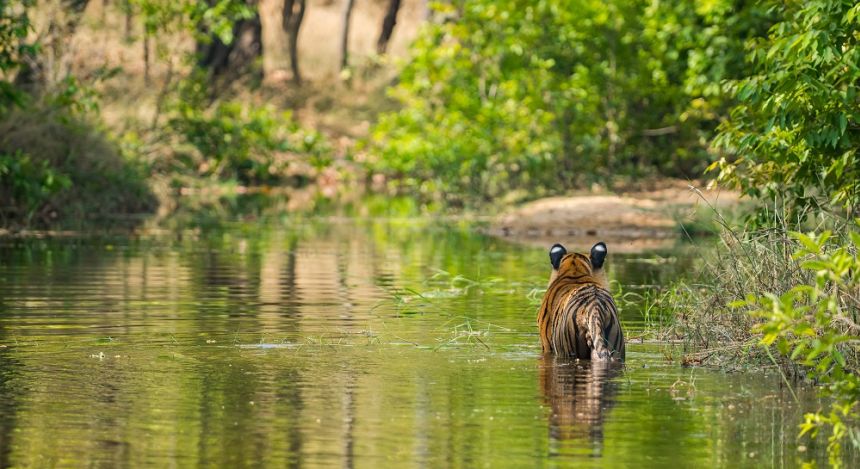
{"type": "Point", "coordinates": [341, 342]}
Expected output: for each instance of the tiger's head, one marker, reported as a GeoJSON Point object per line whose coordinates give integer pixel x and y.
{"type": "Point", "coordinates": [583, 268]}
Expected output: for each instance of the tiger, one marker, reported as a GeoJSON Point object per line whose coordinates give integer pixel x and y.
{"type": "Point", "coordinates": [578, 317]}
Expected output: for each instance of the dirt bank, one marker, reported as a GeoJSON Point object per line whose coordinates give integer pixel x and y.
{"type": "Point", "coordinates": [632, 220]}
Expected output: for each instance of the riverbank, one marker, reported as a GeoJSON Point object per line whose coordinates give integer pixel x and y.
{"type": "Point", "coordinates": [633, 219]}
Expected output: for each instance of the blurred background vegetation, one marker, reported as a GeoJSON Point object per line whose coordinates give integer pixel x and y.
{"type": "Point", "coordinates": [460, 102]}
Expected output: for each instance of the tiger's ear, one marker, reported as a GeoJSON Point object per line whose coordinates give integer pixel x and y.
{"type": "Point", "coordinates": [556, 252]}
{"type": "Point", "coordinates": [598, 255]}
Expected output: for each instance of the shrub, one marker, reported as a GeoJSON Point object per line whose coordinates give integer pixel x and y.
{"type": "Point", "coordinates": [545, 96]}
{"type": "Point", "coordinates": [796, 129]}
{"type": "Point", "coordinates": [26, 186]}
{"type": "Point", "coordinates": [815, 324]}
{"type": "Point", "coordinates": [757, 261]}
{"type": "Point", "coordinates": [57, 168]}
{"type": "Point", "coordinates": [778, 298]}
{"type": "Point", "coordinates": [14, 28]}
{"type": "Point", "coordinates": [237, 141]}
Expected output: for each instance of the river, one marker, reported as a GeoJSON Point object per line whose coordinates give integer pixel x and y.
{"type": "Point", "coordinates": [342, 342]}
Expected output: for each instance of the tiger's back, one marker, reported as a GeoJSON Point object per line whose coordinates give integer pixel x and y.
{"type": "Point", "coordinates": [578, 317]}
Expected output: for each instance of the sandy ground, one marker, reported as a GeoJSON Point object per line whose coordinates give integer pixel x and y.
{"type": "Point", "coordinates": [630, 222]}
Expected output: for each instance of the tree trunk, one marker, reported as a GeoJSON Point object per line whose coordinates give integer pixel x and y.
{"type": "Point", "coordinates": [275, 43]}
{"type": "Point", "coordinates": [294, 13]}
{"type": "Point", "coordinates": [387, 26]}
{"type": "Point", "coordinates": [146, 60]}
{"type": "Point", "coordinates": [344, 34]}
{"type": "Point", "coordinates": [127, 8]}
{"type": "Point", "coordinates": [428, 12]}
{"type": "Point", "coordinates": [218, 57]}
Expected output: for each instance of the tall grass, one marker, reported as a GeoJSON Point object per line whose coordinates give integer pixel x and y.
{"type": "Point", "coordinates": [773, 297]}
{"type": "Point", "coordinates": [743, 263]}
{"type": "Point", "coordinates": [755, 262]}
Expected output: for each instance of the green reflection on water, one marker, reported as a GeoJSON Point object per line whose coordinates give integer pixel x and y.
{"type": "Point", "coordinates": [344, 343]}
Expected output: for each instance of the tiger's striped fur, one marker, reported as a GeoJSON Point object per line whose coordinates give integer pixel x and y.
{"type": "Point", "coordinates": [578, 317]}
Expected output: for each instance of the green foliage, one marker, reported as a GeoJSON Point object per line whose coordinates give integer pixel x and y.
{"type": "Point", "coordinates": [233, 140]}
{"type": "Point", "coordinates": [28, 184]}
{"type": "Point", "coordinates": [816, 326]}
{"type": "Point", "coordinates": [75, 99]}
{"type": "Point", "coordinates": [558, 93]}
{"type": "Point", "coordinates": [57, 167]}
{"type": "Point", "coordinates": [14, 27]}
{"type": "Point", "coordinates": [226, 139]}
{"type": "Point", "coordinates": [463, 124]}
{"type": "Point", "coordinates": [201, 18]}
{"type": "Point", "coordinates": [796, 128]}
{"type": "Point", "coordinates": [56, 164]}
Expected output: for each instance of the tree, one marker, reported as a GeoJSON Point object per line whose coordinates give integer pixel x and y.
{"type": "Point", "coordinates": [293, 14]}
{"type": "Point", "coordinates": [227, 33]}
{"type": "Point", "coordinates": [40, 66]}
{"type": "Point", "coordinates": [795, 131]}
{"type": "Point", "coordinates": [388, 23]}
{"type": "Point", "coordinates": [235, 52]}
{"type": "Point", "coordinates": [550, 95]}
{"type": "Point", "coordinates": [275, 44]}
{"type": "Point", "coordinates": [344, 34]}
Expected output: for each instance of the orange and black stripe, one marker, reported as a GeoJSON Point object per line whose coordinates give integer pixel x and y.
{"type": "Point", "coordinates": [578, 317]}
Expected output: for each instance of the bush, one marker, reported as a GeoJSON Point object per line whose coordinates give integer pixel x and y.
{"type": "Point", "coordinates": [793, 138]}
{"type": "Point", "coordinates": [57, 168]}
{"type": "Point", "coordinates": [545, 96]}
{"type": "Point", "coordinates": [796, 129]}
{"type": "Point", "coordinates": [27, 186]}
{"type": "Point", "coordinates": [815, 324]}
{"type": "Point", "coordinates": [785, 299]}
{"type": "Point", "coordinates": [14, 28]}
{"type": "Point", "coordinates": [715, 335]}
{"type": "Point", "coordinates": [236, 141]}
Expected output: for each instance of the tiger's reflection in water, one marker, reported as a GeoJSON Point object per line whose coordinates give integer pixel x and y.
{"type": "Point", "coordinates": [578, 394]}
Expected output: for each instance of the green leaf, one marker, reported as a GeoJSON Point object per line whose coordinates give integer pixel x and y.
{"type": "Point", "coordinates": [809, 243]}
{"type": "Point", "coordinates": [840, 359]}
